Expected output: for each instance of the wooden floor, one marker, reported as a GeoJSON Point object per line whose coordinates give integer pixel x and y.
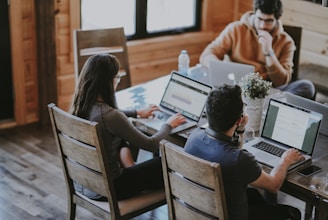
{"type": "Point", "coordinates": [32, 185]}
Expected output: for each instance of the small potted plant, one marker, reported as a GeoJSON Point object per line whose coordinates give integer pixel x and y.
{"type": "Point", "coordinates": [254, 86]}
{"type": "Point", "coordinates": [254, 89]}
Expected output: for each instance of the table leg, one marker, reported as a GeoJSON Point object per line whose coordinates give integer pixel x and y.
{"type": "Point", "coordinates": [321, 210]}
{"type": "Point", "coordinates": [308, 211]}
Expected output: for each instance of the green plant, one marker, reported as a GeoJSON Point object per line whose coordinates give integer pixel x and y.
{"type": "Point", "coordinates": [254, 86]}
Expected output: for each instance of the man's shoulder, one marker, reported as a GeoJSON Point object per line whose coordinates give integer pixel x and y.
{"type": "Point", "coordinates": [236, 24]}
{"type": "Point", "coordinates": [238, 27]}
{"type": "Point", "coordinates": [243, 23]}
{"type": "Point", "coordinates": [246, 154]}
{"type": "Point", "coordinates": [282, 33]}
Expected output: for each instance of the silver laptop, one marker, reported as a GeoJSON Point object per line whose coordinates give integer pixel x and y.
{"type": "Point", "coordinates": [182, 95]}
{"type": "Point", "coordinates": [223, 72]}
{"type": "Point", "coordinates": [285, 126]}
{"type": "Point", "coordinates": [312, 105]}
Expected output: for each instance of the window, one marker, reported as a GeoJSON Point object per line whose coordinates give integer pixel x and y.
{"type": "Point", "coordinates": [142, 18]}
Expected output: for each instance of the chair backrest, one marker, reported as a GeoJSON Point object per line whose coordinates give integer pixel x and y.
{"type": "Point", "coordinates": [194, 187]}
{"type": "Point", "coordinates": [83, 156]}
{"type": "Point", "coordinates": [85, 161]}
{"type": "Point", "coordinates": [296, 33]}
{"type": "Point", "coordinates": [110, 40]}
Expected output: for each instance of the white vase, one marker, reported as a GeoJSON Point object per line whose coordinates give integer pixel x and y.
{"type": "Point", "coordinates": [254, 110]}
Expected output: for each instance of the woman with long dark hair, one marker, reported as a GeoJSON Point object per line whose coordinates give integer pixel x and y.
{"type": "Point", "coordinates": [95, 100]}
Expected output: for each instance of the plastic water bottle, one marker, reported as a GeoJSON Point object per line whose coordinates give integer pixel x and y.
{"type": "Point", "coordinates": [183, 62]}
{"type": "Point", "coordinates": [198, 72]}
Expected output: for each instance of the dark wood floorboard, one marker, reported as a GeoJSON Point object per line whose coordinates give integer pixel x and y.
{"type": "Point", "coordinates": [32, 185]}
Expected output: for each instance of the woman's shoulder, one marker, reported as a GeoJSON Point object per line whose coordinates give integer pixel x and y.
{"type": "Point", "coordinates": [105, 111]}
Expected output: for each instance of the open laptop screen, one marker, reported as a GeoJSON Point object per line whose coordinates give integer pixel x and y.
{"type": "Point", "coordinates": [186, 96]}
{"type": "Point", "coordinates": [291, 125]}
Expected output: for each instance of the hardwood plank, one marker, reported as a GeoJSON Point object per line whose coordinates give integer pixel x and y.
{"type": "Point", "coordinates": [6, 210]}
{"type": "Point", "coordinates": [32, 185]}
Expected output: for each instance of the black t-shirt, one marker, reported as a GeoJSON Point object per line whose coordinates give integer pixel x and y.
{"type": "Point", "coordinates": [239, 168]}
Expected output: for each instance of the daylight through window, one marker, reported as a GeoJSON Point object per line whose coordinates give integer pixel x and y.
{"type": "Point", "coordinates": [142, 18]}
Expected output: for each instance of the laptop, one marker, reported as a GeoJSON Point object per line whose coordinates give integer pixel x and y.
{"type": "Point", "coordinates": [312, 105]}
{"type": "Point", "coordinates": [223, 72]}
{"type": "Point", "coordinates": [182, 95]}
{"type": "Point", "coordinates": [285, 126]}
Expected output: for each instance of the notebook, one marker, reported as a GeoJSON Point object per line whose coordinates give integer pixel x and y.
{"type": "Point", "coordinates": [312, 105]}
{"type": "Point", "coordinates": [285, 126]}
{"type": "Point", "coordinates": [223, 72]}
{"type": "Point", "coordinates": [182, 95]}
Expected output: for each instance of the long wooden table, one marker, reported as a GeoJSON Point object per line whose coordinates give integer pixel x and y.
{"type": "Point", "coordinates": [313, 190]}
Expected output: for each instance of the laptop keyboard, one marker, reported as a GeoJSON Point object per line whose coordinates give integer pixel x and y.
{"type": "Point", "coordinates": [162, 115]}
{"type": "Point", "coordinates": [269, 148]}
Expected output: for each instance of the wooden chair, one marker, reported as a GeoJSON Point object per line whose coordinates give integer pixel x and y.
{"type": "Point", "coordinates": [194, 187]}
{"type": "Point", "coordinates": [296, 33]}
{"type": "Point", "coordinates": [84, 160]}
{"type": "Point", "coordinates": [110, 40]}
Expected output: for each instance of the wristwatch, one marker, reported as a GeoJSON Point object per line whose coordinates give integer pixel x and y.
{"type": "Point", "coordinates": [240, 132]}
{"type": "Point", "coordinates": [270, 53]}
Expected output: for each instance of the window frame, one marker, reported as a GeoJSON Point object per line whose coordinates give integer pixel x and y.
{"type": "Point", "coordinates": [141, 22]}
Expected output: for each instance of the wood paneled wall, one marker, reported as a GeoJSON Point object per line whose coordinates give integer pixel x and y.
{"type": "Point", "coordinates": [313, 18]}
{"type": "Point", "coordinates": [148, 58]}
{"type": "Point", "coordinates": [24, 62]}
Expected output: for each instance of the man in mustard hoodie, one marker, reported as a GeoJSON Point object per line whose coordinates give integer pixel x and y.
{"type": "Point", "coordinates": [259, 39]}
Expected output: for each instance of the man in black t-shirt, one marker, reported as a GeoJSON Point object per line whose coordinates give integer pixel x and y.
{"type": "Point", "coordinates": [222, 142]}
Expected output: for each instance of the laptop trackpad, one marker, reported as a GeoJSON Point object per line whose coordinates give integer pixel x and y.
{"type": "Point", "coordinates": [266, 158]}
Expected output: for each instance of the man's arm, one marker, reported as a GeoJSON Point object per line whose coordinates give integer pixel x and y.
{"type": "Point", "coordinates": [278, 70]}
{"type": "Point", "coordinates": [273, 181]}
{"type": "Point", "coordinates": [219, 47]}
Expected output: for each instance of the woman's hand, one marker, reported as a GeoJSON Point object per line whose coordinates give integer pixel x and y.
{"type": "Point", "coordinates": [147, 112]}
{"type": "Point", "coordinates": [176, 120]}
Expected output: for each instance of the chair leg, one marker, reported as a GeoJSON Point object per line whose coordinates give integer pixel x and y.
{"type": "Point", "coordinates": [71, 210]}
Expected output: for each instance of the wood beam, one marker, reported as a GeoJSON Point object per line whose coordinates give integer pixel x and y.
{"type": "Point", "coordinates": [46, 53]}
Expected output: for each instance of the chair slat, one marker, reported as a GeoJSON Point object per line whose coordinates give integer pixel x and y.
{"type": "Point", "coordinates": [194, 187]}
{"type": "Point", "coordinates": [80, 152]}
{"type": "Point", "coordinates": [190, 169]}
{"type": "Point", "coordinates": [86, 177]}
{"type": "Point", "coordinates": [77, 129]}
{"type": "Point", "coordinates": [206, 198]}
{"type": "Point", "coordinates": [97, 50]}
{"type": "Point", "coordinates": [186, 213]}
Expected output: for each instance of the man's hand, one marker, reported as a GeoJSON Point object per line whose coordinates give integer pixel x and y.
{"type": "Point", "coordinates": [265, 39]}
{"type": "Point", "coordinates": [292, 156]}
{"type": "Point", "coordinates": [242, 123]}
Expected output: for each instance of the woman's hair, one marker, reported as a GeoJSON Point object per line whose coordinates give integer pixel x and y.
{"type": "Point", "coordinates": [224, 107]}
{"type": "Point", "coordinates": [95, 80]}
{"type": "Point", "coordinates": [269, 7]}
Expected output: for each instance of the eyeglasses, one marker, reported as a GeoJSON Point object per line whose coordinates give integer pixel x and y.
{"type": "Point", "coordinates": [119, 76]}
{"type": "Point", "coordinates": [266, 21]}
